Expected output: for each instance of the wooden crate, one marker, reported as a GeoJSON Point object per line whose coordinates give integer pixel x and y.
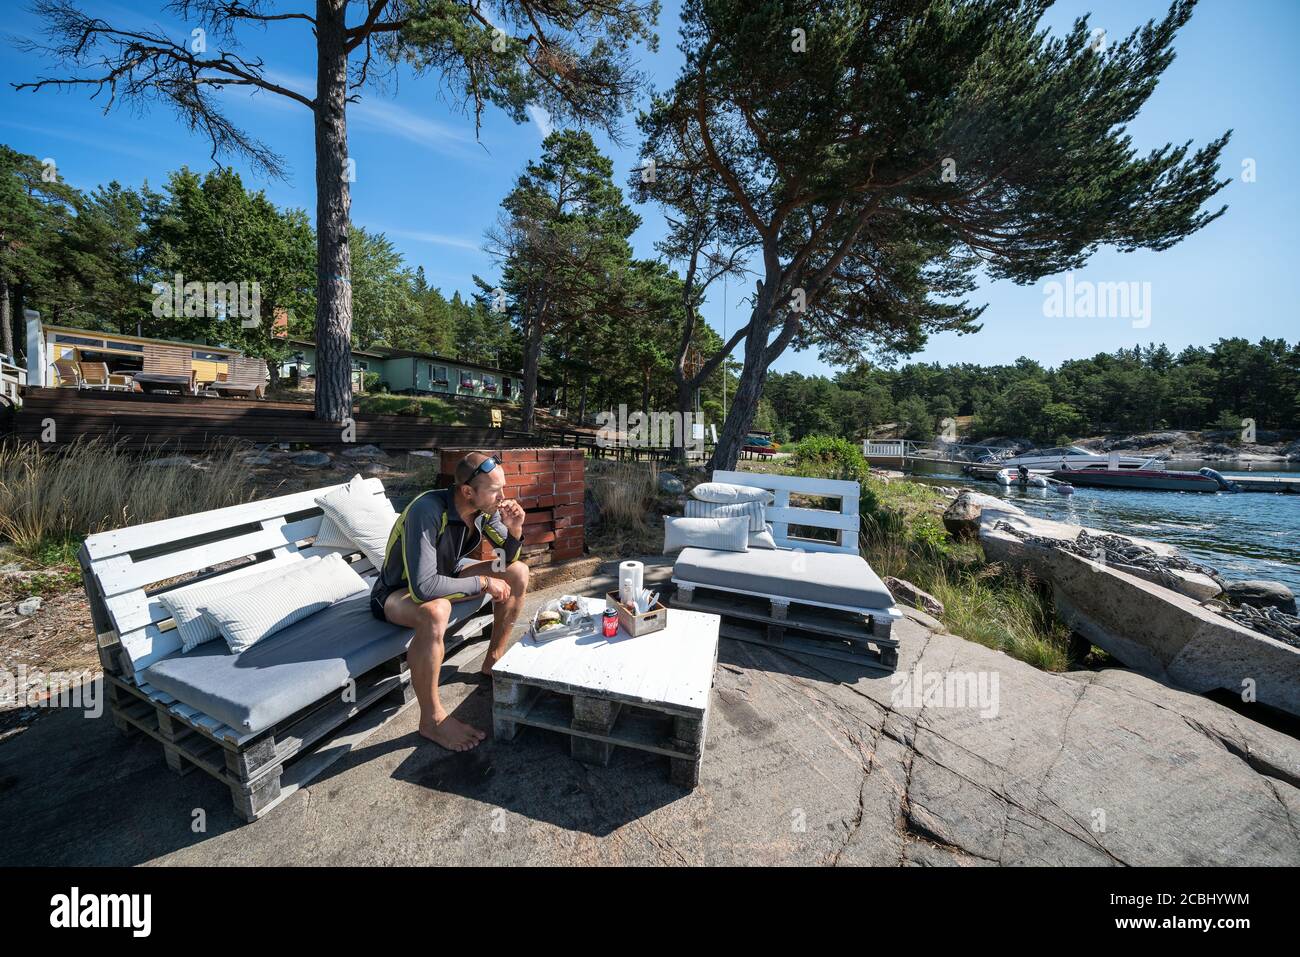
{"type": "Point", "coordinates": [595, 726]}
{"type": "Point", "coordinates": [647, 623]}
{"type": "Point", "coordinates": [791, 626]}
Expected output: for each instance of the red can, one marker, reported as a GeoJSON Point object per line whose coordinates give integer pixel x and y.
{"type": "Point", "coordinates": [609, 623]}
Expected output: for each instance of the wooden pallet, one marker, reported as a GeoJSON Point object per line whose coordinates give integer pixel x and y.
{"type": "Point", "coordinates": [792, 626]}
{"type": "Point", "coordinates": [596, 726]}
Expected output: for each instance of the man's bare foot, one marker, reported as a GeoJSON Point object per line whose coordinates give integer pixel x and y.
{"type": "Point", "coordinates": [489, 662]}
{"type": "Point", "coordinates": [451, 734]}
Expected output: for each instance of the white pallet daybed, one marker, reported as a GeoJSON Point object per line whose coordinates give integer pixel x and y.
{"type": "Point", "coordinates": [816, 596]}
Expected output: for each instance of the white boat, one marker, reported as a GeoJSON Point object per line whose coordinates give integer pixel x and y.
{"type": "Point", "coordinates": [1073, 458]}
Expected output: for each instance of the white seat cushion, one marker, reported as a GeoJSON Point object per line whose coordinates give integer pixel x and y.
{"type": "Point", "coordinates": [830, 578]}
{"type": "Point", "coordinates": [720, 533]}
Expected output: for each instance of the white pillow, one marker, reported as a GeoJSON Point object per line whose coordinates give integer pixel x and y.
{"type": "Point", "coordinates": [762, 539]}
{"type": "Point", "coordinates": [724, 493]}
{"type": "Point", "coordinates": [187, 604]}
{"type": "Point", "coordinates": [727, 534]}
{"type": "Point", "coordinates": [249, 616]}
{"type": "Point", "coordinates": [754, 512]}
{"type": "Point", "coordinates": [356, 518]}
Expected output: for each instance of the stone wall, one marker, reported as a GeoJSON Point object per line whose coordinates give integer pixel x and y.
{"type": "Point", "coordinates": [549, 484]}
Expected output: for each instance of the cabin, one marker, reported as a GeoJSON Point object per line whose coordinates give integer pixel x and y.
{"type": "Point", "coordinates": [123, 354]}
{"type": "Point", "coordinates": [410, 372]}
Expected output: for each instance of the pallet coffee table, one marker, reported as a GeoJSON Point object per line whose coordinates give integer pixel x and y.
{"type": "Point", "coordinates": [650, 693]}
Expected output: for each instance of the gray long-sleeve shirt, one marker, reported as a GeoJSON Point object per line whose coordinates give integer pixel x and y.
{"type": "Point", "coordinates": [430, 538]}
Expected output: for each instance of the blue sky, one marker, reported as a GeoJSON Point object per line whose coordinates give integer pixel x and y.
{"type": "Point", "coordinates": [424, 180]}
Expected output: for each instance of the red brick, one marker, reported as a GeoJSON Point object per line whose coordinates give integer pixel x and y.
{"type": "Point", "coordinates": [534, 538]}
{"type": "Point", "coordinates": [568, 487]}
{"type": "Point", "coordinates": [527, 501]}
{"type": "Point", "coordinates": [565, 552]}
{"type": "Point", "coordinates": [519, 455]}
{"type": "Point", "coordinates": [545, 500]}
{"type": "Point", "coordinates": [569, 534]}
{"type": "Point", "coordinates": [567, 521]}
{"type": "Point", "coordinates": [568, 498]}
{"type": "Point", "coordinates": [568, 510]}
{"type": "Point", "coordinates": [542, 515]}
{"type": "Point", "coordinates": [547, 455]}
{"type": "Point", "coordinates": [535, 468]}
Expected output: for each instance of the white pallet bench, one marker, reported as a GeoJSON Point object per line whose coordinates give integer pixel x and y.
{"type": "Point", "coordinates": [845, 633]}
{"type": "Point", "coordinates": [121, 570]}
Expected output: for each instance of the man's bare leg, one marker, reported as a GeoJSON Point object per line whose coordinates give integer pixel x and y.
{"type": "Point", "coordinates": [425, 659]}
{"type": "Point", "coordinates": [504, 613]}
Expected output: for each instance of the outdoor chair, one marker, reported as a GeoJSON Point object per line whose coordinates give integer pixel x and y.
{"type": "Point", "coordinates": [247, 377]}
{"type": "Point", "coordinates": [69, 374]}
{"type": "Point", "coordinates": [167, 368]}
{"type": "Point", "coordinates": [96, 376]}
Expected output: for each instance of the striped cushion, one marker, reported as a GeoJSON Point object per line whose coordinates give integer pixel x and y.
{"type": "Point", "coordinates": [725, 534]}
{"type": "Point", "coordinates": [724, 493]}
{"type": "Point", "coordinates": [249, 616]}
{"type": "Point", "coordinates": [754, 511]}
{"type": "Point", "coordinates": [187, 604]}
{"type": "Point", "coordinates": [355, 518]}
{"type": "Point", "coordinates": [762, 539]}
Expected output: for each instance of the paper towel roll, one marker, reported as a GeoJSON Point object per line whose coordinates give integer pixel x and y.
{"type": "Point", "coordinates": [630, 577]}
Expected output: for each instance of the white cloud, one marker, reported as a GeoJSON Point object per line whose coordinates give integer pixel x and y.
{"type": "Point", "coordinates": [541, 119]}
{"type": "Point", "coordinates": [435, 238]}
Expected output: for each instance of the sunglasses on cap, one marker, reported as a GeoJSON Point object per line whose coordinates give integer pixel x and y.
{"type": "Point", "coordinates": [487, 465]}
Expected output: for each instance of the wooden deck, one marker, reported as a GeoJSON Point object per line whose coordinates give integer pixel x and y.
{"type": "Point", "coordinates": [191, 423]}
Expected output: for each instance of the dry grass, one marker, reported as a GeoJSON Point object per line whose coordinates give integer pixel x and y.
{"type": "Point", "coordinates": [51, 500]}
{"type": "Point", "coordinates": [625, 492]}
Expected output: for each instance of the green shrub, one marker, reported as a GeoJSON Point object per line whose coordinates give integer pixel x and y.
{"type": "Point", "coordinates": [828, 457]}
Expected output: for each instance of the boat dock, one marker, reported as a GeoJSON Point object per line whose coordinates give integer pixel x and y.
{"type": "Point", "coordinates": [1245, 483]}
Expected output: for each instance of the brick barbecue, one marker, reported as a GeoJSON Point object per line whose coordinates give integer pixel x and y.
{"type": "Point", "coordinates": [549, 484]}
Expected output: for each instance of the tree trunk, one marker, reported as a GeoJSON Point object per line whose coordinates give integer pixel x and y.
{"type": "Point", "coordinates": [744, 405]}
{"type": "Point", "coordinates": [685, 405]}
{"type": "Point", "coordinates": [333, 217]}
{"type": "Point", "coordinates": [6, 320]}
{"type": "Point", "coordinates": [645, 390]}
{"type": "Point", "coordinates": [582, 408]}
{"type": "Point", "coordinates": [532, 358]}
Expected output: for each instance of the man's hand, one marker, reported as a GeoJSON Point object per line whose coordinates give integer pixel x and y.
{"type": "Point", "coordinates": [498, 588]}
{"type": "Point", "coordinates": [512, 516]}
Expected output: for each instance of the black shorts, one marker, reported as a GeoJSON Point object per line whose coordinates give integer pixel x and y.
{"type": "Point", "coordinates": [378, 595]}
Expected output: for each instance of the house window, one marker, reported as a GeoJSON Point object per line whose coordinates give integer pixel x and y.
{"type": "Point", "coordinates": [209, 356]}
{"type": "Point", "coordinates": [489, 383]}
{"type": "Point", "coordinates": [79, 340]}
{"type": "Point", "coordinates": [359, 364]}
{"type": "Point", "coordinates": [466, 380]}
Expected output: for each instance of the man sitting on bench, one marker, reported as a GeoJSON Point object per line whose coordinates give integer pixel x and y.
{"type": "Point", "coordinates": [427, 566]}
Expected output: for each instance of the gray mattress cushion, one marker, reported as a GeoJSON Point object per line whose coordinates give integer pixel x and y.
{"type": "Point", "coordinates": [284, 673]}
{"type": "Point", "coordinates": [834, 578]}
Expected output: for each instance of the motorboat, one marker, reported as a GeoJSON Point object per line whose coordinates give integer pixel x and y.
{"type": "Point", "coordinates": [1074, 458]}
{"type": "Point", "coordinates": [1152, 476]}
